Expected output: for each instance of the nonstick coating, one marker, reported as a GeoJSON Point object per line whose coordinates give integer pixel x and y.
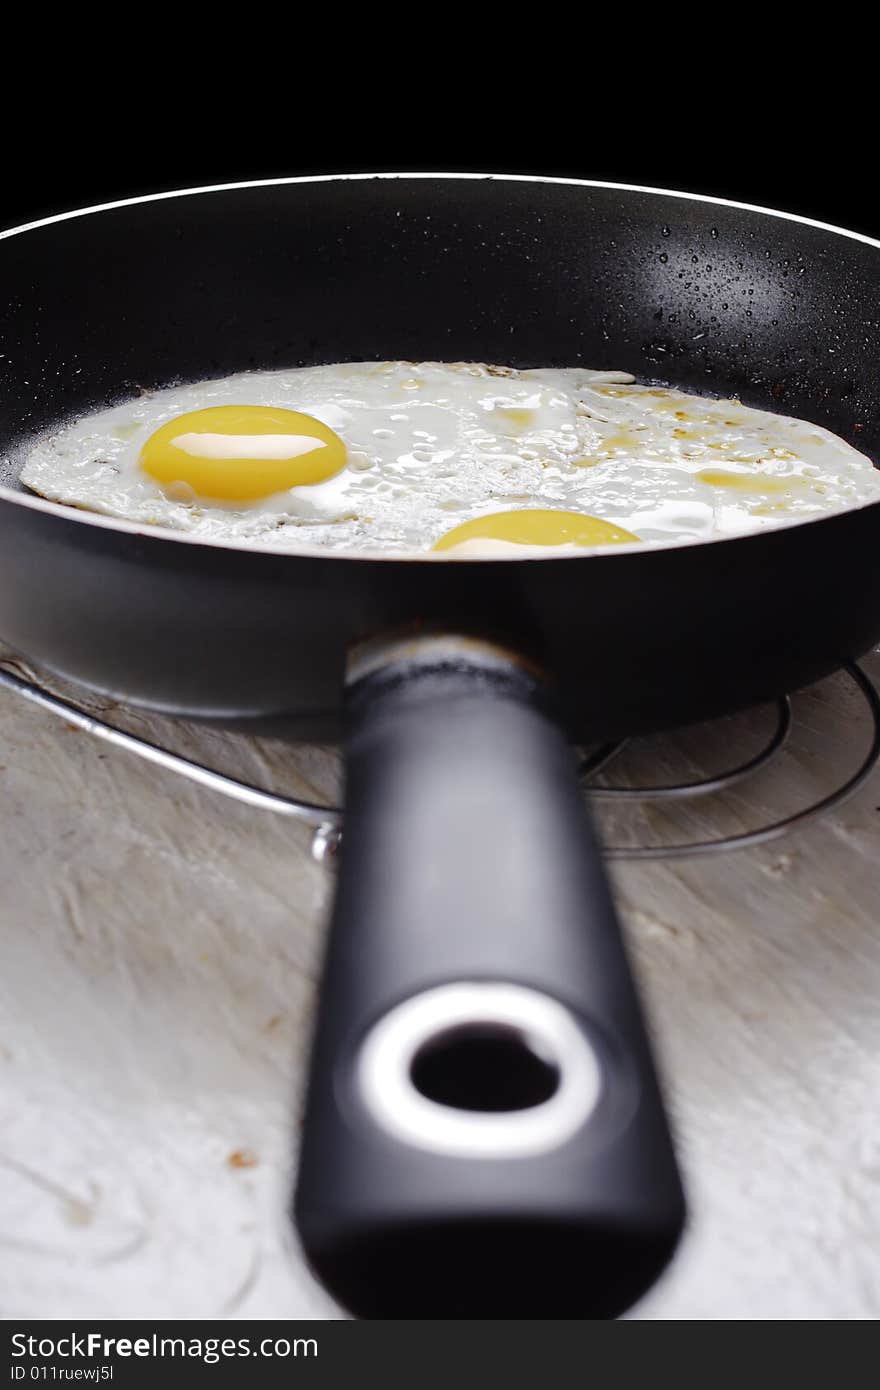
{"type": "Point", "coordinates": [714, 297]}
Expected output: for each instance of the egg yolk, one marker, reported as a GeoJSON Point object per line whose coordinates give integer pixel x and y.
{"type": "Point", "coordinates": [238, 453]}
{"type": "Point", "coordinates": [535, 528]}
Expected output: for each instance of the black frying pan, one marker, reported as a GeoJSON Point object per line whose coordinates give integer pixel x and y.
{"type": "Point", "coordinates": [484, 1134]}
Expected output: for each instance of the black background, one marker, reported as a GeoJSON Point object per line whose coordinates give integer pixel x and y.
{"type": "Point", "coordinates": [768, 125]}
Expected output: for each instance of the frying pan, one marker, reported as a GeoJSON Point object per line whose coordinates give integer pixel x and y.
{"type": "Point", "coordinates": [484, 1134]}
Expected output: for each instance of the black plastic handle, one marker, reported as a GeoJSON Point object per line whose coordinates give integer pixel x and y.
{"type": "Point", "coordinates": [484, 1136]}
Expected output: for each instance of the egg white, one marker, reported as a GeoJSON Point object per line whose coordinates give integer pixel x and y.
{"type": "Point", "coordinates": [431, 445]}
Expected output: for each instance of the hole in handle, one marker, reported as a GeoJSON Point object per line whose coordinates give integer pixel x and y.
{"type": "Point", "coordinates": [488, 1067]}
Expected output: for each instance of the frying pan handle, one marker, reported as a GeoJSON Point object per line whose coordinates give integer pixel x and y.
{"type": "Point", "coordinates": [484, 1136]}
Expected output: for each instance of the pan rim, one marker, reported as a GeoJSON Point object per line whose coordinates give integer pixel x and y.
{"type": "Point", "coordinates": [78, 515]}
{"type": "Point", "coordinates": [198, 189]}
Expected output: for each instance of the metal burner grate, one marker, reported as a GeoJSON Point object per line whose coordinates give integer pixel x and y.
{"type": "Point", "coordinates": [602, 758]}
{"type": "Point", "coordinates": [326, 821]}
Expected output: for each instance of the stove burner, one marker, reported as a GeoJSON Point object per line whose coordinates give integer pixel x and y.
{"type": "Point", "coordinates": [326, 821]}
{"type": "Point", "coordinates": [603, 757]}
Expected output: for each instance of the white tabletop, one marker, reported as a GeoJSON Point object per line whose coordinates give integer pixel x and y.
{"type": "Point", "coordinates": [159, 955]}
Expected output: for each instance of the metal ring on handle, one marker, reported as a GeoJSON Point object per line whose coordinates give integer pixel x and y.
{"type": "Point", "coordinates": [387, 1088]}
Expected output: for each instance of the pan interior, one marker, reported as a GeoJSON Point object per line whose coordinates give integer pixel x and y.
{"type": "Point", "coordinates": [712, 298]}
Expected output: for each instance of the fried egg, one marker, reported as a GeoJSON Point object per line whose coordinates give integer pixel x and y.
{"type": "Point", "coordinates": [453, 458]}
